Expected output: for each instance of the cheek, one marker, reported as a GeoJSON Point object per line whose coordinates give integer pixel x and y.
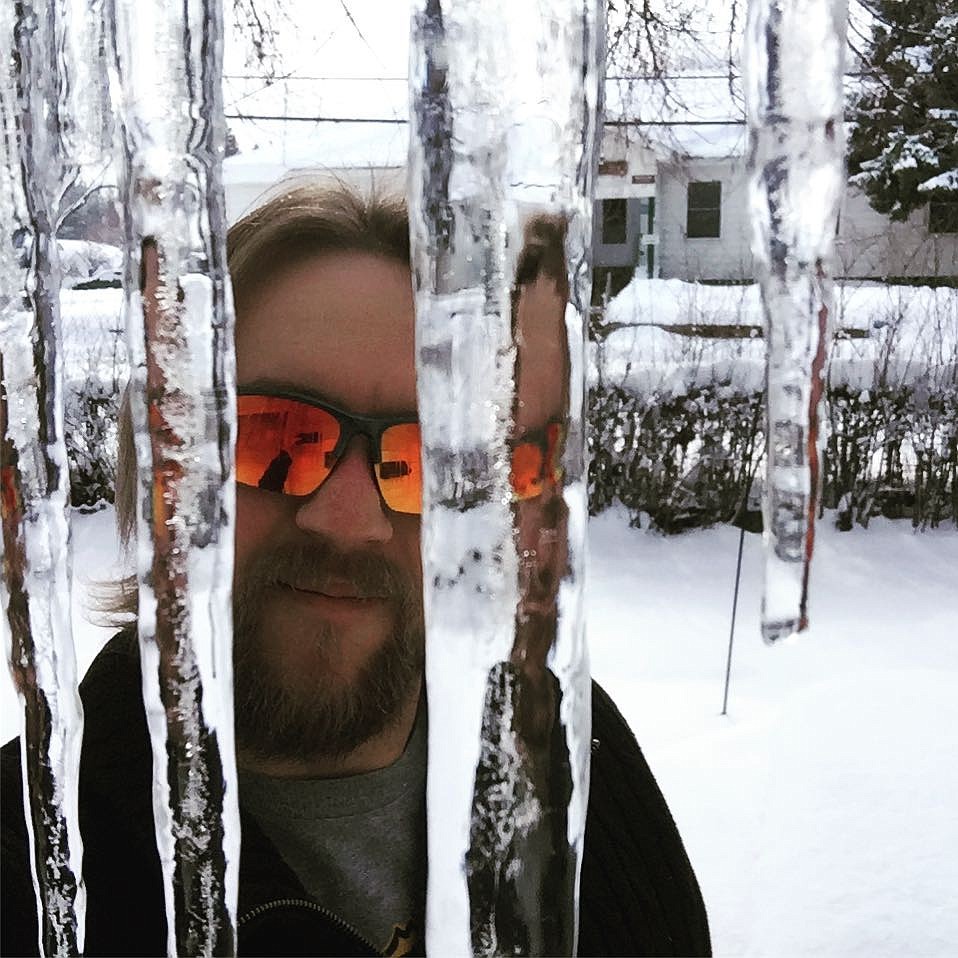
{"type": "Point", "coordinates": [405, 541]}
{"type": "Point", "coordinates": [528, 524]}
{"type": "Point", "coordinates": [258, 516]}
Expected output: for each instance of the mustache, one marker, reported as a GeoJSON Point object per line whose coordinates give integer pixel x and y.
{"type": "Point", "coordinates": [319, 566]}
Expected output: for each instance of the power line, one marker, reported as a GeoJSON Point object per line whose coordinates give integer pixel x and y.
{"type": "Point", "coordinates": [402, 79]}
{"type": "Point", "coordinates": [674, 122]}
{"type": "Point", "coordinates": [314, 119]}
{"type": "Point", "coordinates": [398, 121]}
{"type": "Point", "coordinates": [282, 79]}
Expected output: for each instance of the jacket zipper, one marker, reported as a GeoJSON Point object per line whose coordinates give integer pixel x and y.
{"type": "Point", "coordinates": [312, 906]}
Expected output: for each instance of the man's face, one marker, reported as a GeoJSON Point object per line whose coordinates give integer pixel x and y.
{"type": "Point", "coordinates": [327, 587]}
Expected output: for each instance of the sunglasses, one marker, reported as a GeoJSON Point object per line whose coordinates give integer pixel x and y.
{"type": "Point", "coordinates": [290, 443]}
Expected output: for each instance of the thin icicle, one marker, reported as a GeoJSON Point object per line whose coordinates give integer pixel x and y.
{"type": "Point", "coordinates": [35, 586]}
{"type": "Point", "coordinates": [179, 326]}
{"type": "Point", "coordinates": [501, 159]}
{"type": "Point", "coordinates": [794, 65]}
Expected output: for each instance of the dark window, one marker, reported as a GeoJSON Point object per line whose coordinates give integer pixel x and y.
{"type": "Point", "coordinates": [609, 281]}
{"type": "Point", "coordinates": [704, 210]}
{"type": "Point", "coordinates": [943, 217]}
{"type": "Point", "coordinates": [614, 232]}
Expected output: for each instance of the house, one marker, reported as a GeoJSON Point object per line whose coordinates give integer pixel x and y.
{"type": "Point", "coordinates": [672, 185]}
{"type": "Point", "coordinates": [672, 197]}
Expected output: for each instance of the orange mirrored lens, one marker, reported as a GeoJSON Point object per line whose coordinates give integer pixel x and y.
{"type": "Point", "coordinates": [400, 471]}
{"type": "Point", "coordinates": [526, 472]}
{"type": "Point", "coordinates": [283, 445]}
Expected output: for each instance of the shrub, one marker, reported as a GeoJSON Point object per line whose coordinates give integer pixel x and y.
{"type": "Point", "coordinates": [685, 461]}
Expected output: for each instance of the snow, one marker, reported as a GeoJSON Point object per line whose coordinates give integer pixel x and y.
{"type": "Point", "coordinates": [902, 334]}
{"type": "Point", "coordinates": [82, 261]}
{"type": "Point", "coordinates": [943, 181]}
{"type": "Point", "coordinates": [819, 814]}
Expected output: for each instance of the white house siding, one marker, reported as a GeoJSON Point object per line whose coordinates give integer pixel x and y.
{"type": "Point", "coordinates": [725, 258]}
{"type": "Point", "coordinates": [871, 245]}
{"type": "Point", "coordinates": [621, 143]}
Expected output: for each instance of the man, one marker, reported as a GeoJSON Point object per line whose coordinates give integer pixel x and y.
{"type": "Point", "coordinates": [330, 714]}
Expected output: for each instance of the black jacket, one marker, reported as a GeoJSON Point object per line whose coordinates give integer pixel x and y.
{"type": "Point", "coordinates": [639, 895]}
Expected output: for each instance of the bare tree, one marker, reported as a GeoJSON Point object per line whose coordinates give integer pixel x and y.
{"type": "Point", "coordinates": [258, 22]}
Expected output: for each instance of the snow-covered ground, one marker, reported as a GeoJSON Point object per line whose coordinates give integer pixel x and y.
{"type": "Point", "coordinates": [820, 812]}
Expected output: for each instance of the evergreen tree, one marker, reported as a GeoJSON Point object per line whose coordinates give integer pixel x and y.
{"type": "Point", "coordinates": [903, 145]}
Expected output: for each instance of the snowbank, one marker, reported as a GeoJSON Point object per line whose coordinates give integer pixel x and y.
{"type": "Point", "coordinates": [84, 262]}
{"type": "Point", "coordinates": [666, 336]}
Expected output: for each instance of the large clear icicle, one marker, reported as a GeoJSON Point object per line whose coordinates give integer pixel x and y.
{"type": "Point", "coordinates": [794, 58]}
{"type": "Point", "coordinates": [179, 321]}
{"type": "Point", "coordinates": [35, 585]}
{"type": "Point", "coordinates": [500, 176]}
{"type": "Point", "coordinates": [88, 119]}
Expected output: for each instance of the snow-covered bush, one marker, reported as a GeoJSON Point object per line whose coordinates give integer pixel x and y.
{"type": "Point", "coordinates": [83, 263]}
{"type": "Point", "coordinates": [95, 368]}
{"type": "Point", "coordinates": [686, 461]}
{"type": "Point", "coordinates": [683, 460]}
{"type": "Point", "coordinates": [92, 410]}
{"type": "Point", "coordinates": [677, 378]}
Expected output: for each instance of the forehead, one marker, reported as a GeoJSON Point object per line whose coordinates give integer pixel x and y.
{"type": "Point", "coordinates": [339, 324]}
{"type": "Point", "coordinates": [342, 325]}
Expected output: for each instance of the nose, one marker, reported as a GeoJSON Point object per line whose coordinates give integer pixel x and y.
{"type": "Point", "coordinates": [347, 508]}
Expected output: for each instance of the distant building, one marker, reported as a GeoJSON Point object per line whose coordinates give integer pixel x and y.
{"type": "Point", "coordinates": [671, 194]}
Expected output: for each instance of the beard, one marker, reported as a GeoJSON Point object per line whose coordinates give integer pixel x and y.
{"type": "Point", "coordinates": [309, 709]}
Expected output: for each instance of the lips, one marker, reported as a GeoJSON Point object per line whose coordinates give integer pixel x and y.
{"type": "Point", "coordinates": [331, 589]}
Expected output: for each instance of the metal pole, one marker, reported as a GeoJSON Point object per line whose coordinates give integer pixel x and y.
{"type": "Point", "coordinates": [731, 633]}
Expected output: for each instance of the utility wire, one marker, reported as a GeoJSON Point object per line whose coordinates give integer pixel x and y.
{"type": "Point", "coordinates": [398, 121]}
{"type": "Point", "coordinates": [402, 79]}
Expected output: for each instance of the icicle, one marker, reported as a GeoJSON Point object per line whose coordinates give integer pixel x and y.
{"type": "Point", "coordinates": [35, 588]}
{"type": "Point", "coordinates": [794, 64]}
{"type": "Point", "coordinates": [83, 45]}
{"type": "Point", "coordinates": [179, 324]}
{"type": "Point", "coordinates": [501, 159]}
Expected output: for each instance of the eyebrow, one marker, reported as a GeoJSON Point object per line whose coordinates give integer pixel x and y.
{"type": "Point", "coordinates": [270, 386]}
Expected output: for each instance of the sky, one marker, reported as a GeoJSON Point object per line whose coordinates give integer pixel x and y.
{"type": "Point", "coordinates": [334, 38]}
{"type": "Point", "coordinates": [348, 58]}
{"type": "Point", "coordinates": [346, 38]}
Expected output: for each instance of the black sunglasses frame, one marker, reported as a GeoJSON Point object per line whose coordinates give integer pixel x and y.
{"type": "Point", "coordinates": [373, 427]}
{"type": "Point", "coordinates": [350, 424]}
